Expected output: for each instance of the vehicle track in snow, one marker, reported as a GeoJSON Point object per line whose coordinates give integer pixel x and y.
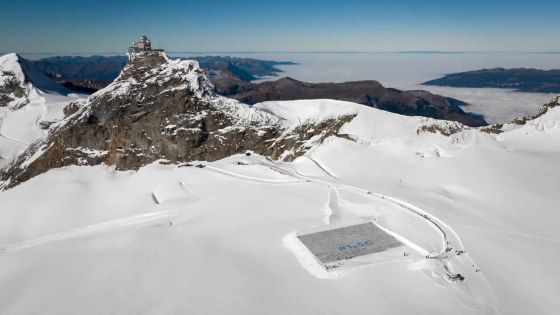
{"type": "Point", "coordinates": [435, 222]}
{"type": "Point", "coordinates": [14, 140]}
{"type": "Point", "coordinates": [252, 178]}
{"type": "Point", "coordinates": [482, 298]}
{"type": "Point", "coordinates": [89, 230]}
{"type": "Point", "coordinates": [322, 167]}
{"type": "Point", "coordinates": [178, 214]}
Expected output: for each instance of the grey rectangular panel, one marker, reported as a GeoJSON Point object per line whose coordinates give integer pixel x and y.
{"type": "Point", "coordinates": [347, 242]}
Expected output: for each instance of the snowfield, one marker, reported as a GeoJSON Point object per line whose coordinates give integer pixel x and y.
{"type": "Point", "coordinates": [221, 238]}
{"type": "Point", "coordinates": [19, 128]}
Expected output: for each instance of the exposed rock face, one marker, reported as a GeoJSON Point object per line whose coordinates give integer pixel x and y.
{"type": "Point", "coordinates": [14, 93]}
{"type": "Point", "coordinates": [446, 128]}
{"type": "Point", "coordinates": [161, 109]}
{"type": "Point", "coordinates": [71, 108]}
{"type": "Point", "coordinates": [369, 92]}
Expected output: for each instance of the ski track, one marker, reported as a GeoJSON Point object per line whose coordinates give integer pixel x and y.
{"type": "Point", "coordinates": [332, 218]}
{"type": "Point", "coordinates": [251, 178]}
{"type": "Point", "coordinates": [443, 257]}
{"type": "Point", "coordinates": [437, 223]}
{"type": "Point", "coordinates": [477, 301]}
{"type": "Point", "coordinates": [40, 101]}
{"type": "Point", "coordinates": [89, 230]}
{"type": "Point", "coordinates": [17, 141]}
{"type": "Point", "coordinates": [321, 166]}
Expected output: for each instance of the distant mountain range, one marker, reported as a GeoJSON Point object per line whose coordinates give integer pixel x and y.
{"type": "Point", "coordinates": [520, 79]}
{"type": "Point", "coordinates": [233, 76]}
{"type": "Point", "coordinates": [247, 69]}
{"type": "Point", "coordinates": [369, 92]}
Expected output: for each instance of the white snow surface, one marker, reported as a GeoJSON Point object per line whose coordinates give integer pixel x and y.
{"type": "Point", "coordinates": [222, 239]}
{"type": "Point", "coordinates": [20, 127]}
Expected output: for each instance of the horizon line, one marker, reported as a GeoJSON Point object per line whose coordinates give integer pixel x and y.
{"type": "Point", "coordinates": [293, 52]}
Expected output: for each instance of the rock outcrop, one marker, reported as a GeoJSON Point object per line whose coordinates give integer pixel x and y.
{"type": "Point", "coordinates": [162, 109]}
{"type": "Point", "coordinates": [448, 128]}
{"type": "Point", "coordinates": [14, 93]}
{"type": "Point", "coordinates": [499, 128]}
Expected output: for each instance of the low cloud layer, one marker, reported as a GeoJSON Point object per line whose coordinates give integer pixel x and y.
{"type": "Point", "coordinates": [407, 71]}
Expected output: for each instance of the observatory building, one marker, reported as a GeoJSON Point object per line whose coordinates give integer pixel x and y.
{"type": "Point", "coordinates": [144, 44]}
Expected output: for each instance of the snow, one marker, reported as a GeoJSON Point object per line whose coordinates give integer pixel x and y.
{"type": "Point", "coordinates": [11, 69]}
{"type": "Point", "coordinates": [303, 111]}
{"type": "Point", "coordinates": [28, 76]}
{"type": "Point", "coordinates": [19, 127]}
{"type": "Point", "coordinates": [218, 244]}
{"type": "Point", "coordinates": [222, 239]}
{"type": "Point", "coordinates": [369, 127]}
{"type": "Point", "coordinates": [10, 62]}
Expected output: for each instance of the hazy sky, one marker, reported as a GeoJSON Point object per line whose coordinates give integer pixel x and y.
{"type": "Point", "coordinates": [87, 26]}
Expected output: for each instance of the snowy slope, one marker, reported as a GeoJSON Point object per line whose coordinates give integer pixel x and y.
{"type": "Point", "coordinates": [221, 239]}
{"type": "Point", "coordinates": [41, 100]}
{"type": "Point", "coordinates": [20, 81]}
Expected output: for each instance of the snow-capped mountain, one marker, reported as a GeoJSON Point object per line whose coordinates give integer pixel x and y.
{"type": "Point", "coordinates": [14, 91]}
{"type": "Point", "coordinates": [29, 103]}
{"type": "Point", "coordinates": [158, 236]}
{"type": "Point", "coordinates": [20, 82]}
{"type": "Point", "coordinates": [162, 109]}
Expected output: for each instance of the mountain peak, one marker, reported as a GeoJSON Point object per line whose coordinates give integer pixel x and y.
{"type": "Point", "coordinates": [14, 92]}
{"type": "Point", "coordinates": [163, 109]}
{"type": "Point", "coordinates": [20, 81]}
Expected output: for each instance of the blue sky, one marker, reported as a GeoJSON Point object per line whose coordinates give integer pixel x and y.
{"type": "Point", "coordinates": [87, 26]}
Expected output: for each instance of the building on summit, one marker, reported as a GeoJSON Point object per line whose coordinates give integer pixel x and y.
{"type": "Point", "coordinates": [144, 44]}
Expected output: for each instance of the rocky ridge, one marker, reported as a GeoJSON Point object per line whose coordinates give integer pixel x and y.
{"type": "Point", "coordinates": [448, 128]}
{"type": "Point", "coordinates": [499, 128]}
{"type": "Point", "coordinates": [166, 110]}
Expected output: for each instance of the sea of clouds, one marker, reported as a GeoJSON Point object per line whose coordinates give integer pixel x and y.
{"type": "Point", "coordinates": [407, 70]}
